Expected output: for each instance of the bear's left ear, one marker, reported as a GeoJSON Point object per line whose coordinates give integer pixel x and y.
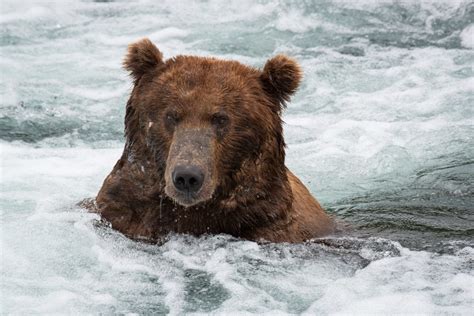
{"type": "Point", "coordinates": [142, 57]}
{"type": "Point", "coordinates": [281, 77]}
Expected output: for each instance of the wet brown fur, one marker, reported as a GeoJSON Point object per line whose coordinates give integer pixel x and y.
{"type": "Point", "coordinates": [250, 192]}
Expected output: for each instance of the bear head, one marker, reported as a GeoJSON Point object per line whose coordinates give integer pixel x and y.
{"type": "Point", "coordinates": [211, 127]}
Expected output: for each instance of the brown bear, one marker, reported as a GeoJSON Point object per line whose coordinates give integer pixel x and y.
{"type": "Point", "coordinates": [205, 154]}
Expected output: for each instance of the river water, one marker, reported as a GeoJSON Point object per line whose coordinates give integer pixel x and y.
{"type": "Point", "coordinates": [381, 132]}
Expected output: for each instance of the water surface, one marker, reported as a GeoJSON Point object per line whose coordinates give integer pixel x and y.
{"type": "Point", "coordinates": [380, 131]}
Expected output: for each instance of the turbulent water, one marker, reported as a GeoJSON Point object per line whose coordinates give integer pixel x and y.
{"type": "Point", "coordinates": [381, 132]}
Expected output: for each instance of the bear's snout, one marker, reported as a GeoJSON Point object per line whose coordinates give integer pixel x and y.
{"type": "Point", "coordinates": [189, 174]}
{"type": "Point", "coordinates": [187, 179]}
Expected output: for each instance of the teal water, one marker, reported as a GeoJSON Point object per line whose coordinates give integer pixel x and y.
{"type": "Point", "coordinates": [381, 132]}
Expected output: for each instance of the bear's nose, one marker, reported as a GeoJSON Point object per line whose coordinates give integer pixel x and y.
{"type": "Point", "coordinates": [187, 178]}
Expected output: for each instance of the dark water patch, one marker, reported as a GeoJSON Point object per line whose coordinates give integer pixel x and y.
{"type": "Point", "coordinates": [33, 131]}
{"type": "Point", "coordinates": [202, 293]}
{"type": "Point", "coordinates": [415, 25]}
{"type": "Point", "coordinates": [352, 50]}
{"type": "Point", "coordinates": [433, 209]}
{"type": "Point", "coordinates": [456, 173]}
{"type": "Point", "coordinates": [465, 72]}
{"type": "Point", "coordinates": [422, 220]}
{"type": "Point", "coordinates": [9, 38]}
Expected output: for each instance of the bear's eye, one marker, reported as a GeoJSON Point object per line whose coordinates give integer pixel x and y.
{"type": "Point", "coordinates": [171, 118]}
{"type": "Point", "coordinates": [219, 120]}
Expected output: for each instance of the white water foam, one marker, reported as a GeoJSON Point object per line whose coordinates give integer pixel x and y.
{"type": "Point", "coordinates": [467, 36]}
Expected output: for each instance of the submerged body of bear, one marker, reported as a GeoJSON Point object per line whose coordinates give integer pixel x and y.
{"type": "Point", "coordinates": [205, 153]}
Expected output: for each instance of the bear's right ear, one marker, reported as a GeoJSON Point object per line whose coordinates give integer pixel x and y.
{"type": "Point", "coordinates": [142, 57]}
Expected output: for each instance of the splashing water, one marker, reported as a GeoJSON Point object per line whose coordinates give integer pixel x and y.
{"type": "Point", "coordinates": [380, 131]}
